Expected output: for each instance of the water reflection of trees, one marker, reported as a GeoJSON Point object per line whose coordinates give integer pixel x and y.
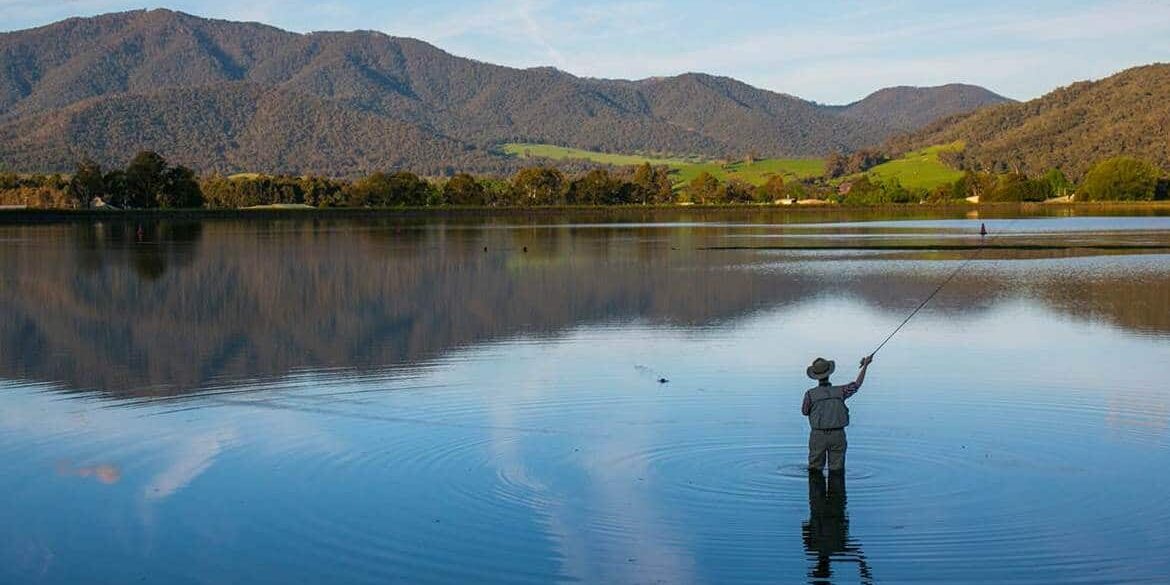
{"type": "Point", "coordinates": [149, 246]}
{"type": "Point", "coordinates": [174, 306]}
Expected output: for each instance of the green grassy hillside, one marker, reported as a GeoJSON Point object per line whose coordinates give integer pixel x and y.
{"type": "Point", "coordinates": [526, 150]}
{"type": "Point", "coordinates": [919, 169]}
{"type": "Point", "coordinates": [685, 168]}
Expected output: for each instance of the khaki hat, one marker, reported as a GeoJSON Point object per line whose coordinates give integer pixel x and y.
{"type": "Point", "coordinates": [821, 368]}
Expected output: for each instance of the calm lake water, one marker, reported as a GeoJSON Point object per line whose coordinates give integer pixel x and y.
{"type": "Point", "coordinates": [377, 400]}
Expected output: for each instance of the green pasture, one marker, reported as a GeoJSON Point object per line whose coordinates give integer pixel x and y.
{"type": "Point", "coordinates": [685, 168]}
{"type": "Point", "coordinates": [526, 150]}
{"type": "Point", "coordinates": [920, 169]}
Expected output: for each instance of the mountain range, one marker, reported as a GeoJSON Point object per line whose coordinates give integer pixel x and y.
{"type": "Point", "coordinates": [228, 96]}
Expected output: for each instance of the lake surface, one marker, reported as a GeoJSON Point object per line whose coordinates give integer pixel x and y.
{"type": "Point", "coordinates": [478, 400]}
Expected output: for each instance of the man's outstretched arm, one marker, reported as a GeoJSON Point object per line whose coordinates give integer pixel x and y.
{"type": "Point", "coordinates": [865, 361]}
{"type": "Point", "coordinates": [853, 387]}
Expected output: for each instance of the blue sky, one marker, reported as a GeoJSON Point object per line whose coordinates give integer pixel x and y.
{"type": "Point", "coordinates": [831, 52]}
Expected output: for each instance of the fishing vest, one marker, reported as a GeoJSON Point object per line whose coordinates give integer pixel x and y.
{"type": "Point", "coordinates": [828, 408]}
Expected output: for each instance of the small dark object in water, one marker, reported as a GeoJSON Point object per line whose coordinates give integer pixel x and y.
{"type": "Point", "coordinates": [525, 249]}
{"type": "Point", "coordinates": [662, 380]}
{"type": "Point", "coordinates": [485, 248]}
{"type": "Point", "coordinates": [983, 229]}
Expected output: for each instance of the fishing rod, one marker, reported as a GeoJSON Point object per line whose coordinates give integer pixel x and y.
{"type": "Point", "coordinates": [945, 282]}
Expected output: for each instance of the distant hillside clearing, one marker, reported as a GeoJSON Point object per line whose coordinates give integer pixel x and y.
{"type": "Point", "coordinates": [685, 168]}
{"type": "Point", "coordinates": [920, 169]}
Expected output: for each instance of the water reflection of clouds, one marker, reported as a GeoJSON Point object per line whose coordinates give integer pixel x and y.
{"type": "Point", "coordinates": [581, 517]}
{"type": "Point", "coordinates": [163, 463]}
{"type": "Point", "coordinates": [613, 525]}
{"type": "Point", "coordinates": [195, 457]}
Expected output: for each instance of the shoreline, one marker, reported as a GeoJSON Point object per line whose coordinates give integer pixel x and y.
{"type": "Point", "coordinates": [992, 211]}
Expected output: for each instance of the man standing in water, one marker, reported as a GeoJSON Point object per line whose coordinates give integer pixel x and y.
{"type": "Point", "coordinates": [827, 414]}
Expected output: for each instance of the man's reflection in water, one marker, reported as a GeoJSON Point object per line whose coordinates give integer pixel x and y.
{"type": "Point", "coordinates": [826, 534]}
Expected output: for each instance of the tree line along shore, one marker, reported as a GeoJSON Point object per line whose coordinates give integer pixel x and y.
{"type": "Point", "coordinates": [149, 181]}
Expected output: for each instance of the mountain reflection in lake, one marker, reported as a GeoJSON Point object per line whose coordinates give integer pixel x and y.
{"type": "Point", "coordinates": [436, 401]}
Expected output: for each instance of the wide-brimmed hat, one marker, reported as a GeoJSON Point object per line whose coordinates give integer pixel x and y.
{"type": "Point", "coordinates": [821, 368]}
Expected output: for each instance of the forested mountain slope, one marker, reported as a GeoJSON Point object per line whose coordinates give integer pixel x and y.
{"type": "Point", "coordinates": [1071, 128]}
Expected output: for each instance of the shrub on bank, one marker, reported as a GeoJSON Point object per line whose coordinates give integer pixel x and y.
{"type": "Point", "coordinates": [1120, 179]}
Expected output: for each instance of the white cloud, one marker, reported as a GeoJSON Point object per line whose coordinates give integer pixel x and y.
{"type": "Point", "coordinates": [526, 11]}
{"type": "Point", "coordinates": [1116, 19]}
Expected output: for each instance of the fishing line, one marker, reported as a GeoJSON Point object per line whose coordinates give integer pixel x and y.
{"type": "Point", "coordinates": [949, 278]}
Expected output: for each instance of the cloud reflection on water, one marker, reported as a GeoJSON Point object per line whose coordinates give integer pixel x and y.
{"type": "Point", "coordinates": [195, 457]}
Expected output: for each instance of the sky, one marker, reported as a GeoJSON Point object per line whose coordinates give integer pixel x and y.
{"type": "Point", "coordinates": [829, 52]}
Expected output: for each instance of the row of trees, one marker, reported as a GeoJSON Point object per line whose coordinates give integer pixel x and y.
{"type": "Point", "coordinates": [42, 191]}
{"type": "Point", "coordinates": [706, 189]}
{"type": "Point", "coordinates": [149, 181]}
{"type": "Point", "coordinates": [532, 186]}
{"type": "Point", "coordinates": [1116, 179]}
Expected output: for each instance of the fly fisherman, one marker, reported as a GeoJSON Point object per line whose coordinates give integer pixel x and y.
{"type": "Point", "coordinates": [827, 414]}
